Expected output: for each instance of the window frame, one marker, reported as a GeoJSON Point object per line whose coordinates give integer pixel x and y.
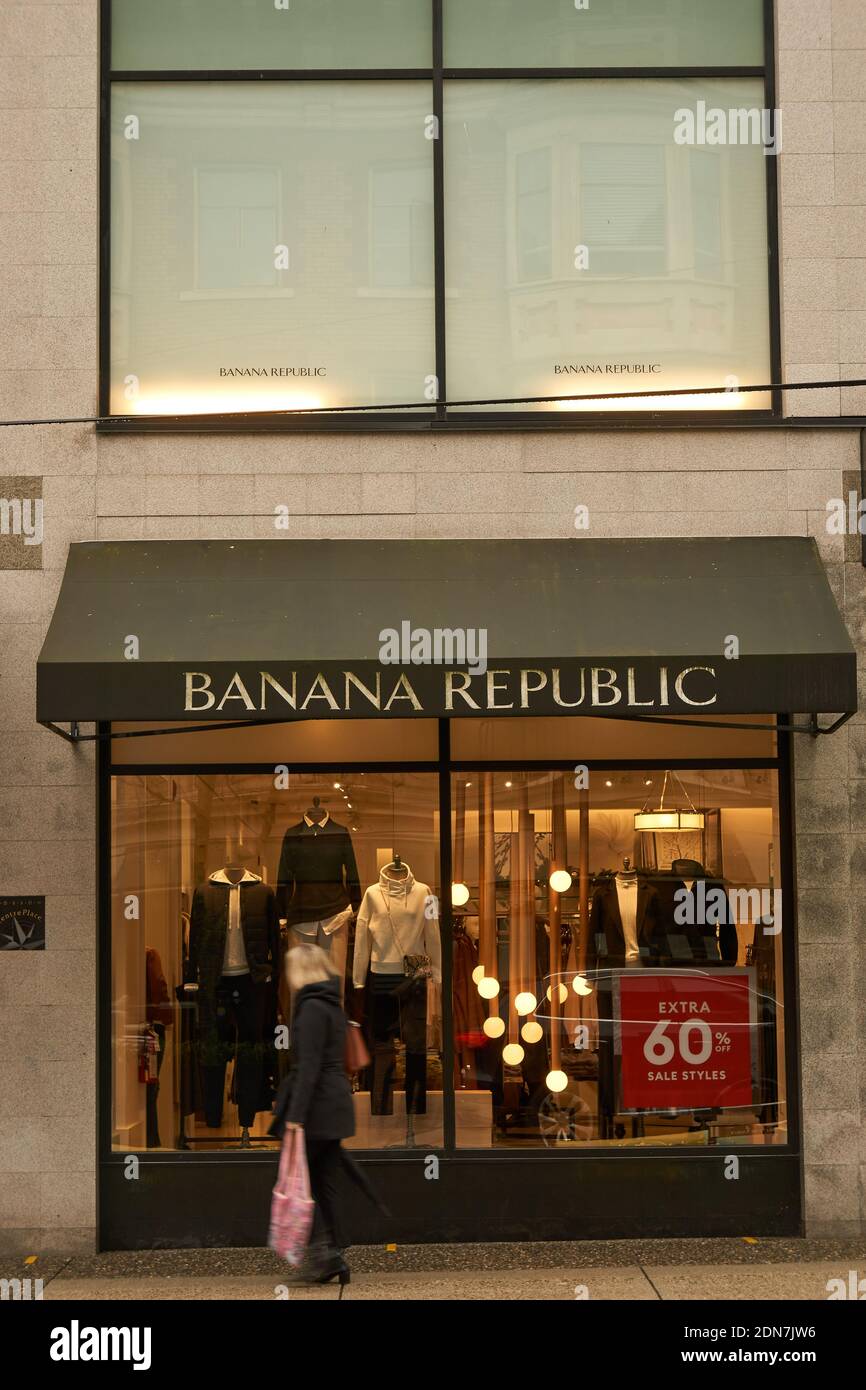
{"type": "Point", "coordinates": [436, 416]}
{"type": "Point", "coordinates": [446, 766]}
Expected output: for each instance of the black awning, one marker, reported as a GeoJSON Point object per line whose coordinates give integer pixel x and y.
{"type": "Point", "coordinates": [281, 629]}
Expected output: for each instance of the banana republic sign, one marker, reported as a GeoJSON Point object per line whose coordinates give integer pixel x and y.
{"type": "Point", "coordinates": [369, 690]}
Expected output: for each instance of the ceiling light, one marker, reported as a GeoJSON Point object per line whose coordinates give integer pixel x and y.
{"type": "Point", "coordinates": [560, 880]}
{"type": "Point", "coordinates": [670, 818]}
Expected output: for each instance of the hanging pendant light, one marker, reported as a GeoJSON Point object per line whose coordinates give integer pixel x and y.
{"type": "Point", "coordinates": [669, 818]}
{"type": "Point", "coordinates": [459, 895]}
{"type": "Point", "coordinates": [560, 880]}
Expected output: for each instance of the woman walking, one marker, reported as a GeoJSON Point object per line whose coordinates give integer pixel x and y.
{"type": "Point", "coordinates": [316, 1098]}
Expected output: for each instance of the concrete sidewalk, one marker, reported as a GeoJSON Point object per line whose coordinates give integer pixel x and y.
{"type": "Point", "coordinates": [623, 1271]}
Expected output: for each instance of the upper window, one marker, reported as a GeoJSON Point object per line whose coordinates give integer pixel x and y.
{"type": "Point", "coordinates": [539, 208]}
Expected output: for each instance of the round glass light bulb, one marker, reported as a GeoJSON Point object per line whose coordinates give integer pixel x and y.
{"type": "Point", "coordinates": [478, 974]}
{"type": "Point", "coordinates": [581, 985]}
{"type": "Point", "coordinates": [525, 1003]}
{"type": "Point", "coordinates": [512, 1054]}
{"type": "Point", "coordinates": [459, 895]}
{"type": "Point", "coordinates": [563, 992]}
{"type": "Point", "coordinates": [494, 1027]}
{"type": "Point", "coordinates": [556, 1081]}
{"type": "Point", "coordinates": [560, 880]}
{"type": "Point", "coordinates": [532, 1032]}
{"type": "Point", "coordinates": [488, 988]}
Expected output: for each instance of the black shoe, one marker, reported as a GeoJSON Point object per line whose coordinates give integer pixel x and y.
{"type": "Point", "coordinates": [335, 1268]}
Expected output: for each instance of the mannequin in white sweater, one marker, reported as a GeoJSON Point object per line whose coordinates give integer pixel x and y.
{"type": "Point", "coordinates": [398, 917]}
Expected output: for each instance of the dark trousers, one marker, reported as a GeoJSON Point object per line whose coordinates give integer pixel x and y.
{"type": "Point", "coordinates": [393, 1016]}
{"type": "Point", "coordinates": [324, 1163]}
{"type": "Point", "coordinates": [232, 1023]}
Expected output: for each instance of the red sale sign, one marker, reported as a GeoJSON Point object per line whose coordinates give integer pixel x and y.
{"type": "Point", "coordinates": [685, 1038]}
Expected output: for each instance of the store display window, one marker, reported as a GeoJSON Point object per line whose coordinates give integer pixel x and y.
{"type": "Point", "coordinates": [605, 941]}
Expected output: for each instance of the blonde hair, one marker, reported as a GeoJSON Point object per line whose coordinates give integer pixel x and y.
{"type": "Point", "coordinates": [308, 965]}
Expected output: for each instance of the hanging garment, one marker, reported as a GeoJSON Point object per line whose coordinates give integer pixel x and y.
{"type": "Point", "coordinates": [469, 1012]}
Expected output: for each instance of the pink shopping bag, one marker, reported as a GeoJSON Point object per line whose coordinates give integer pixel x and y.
{"type": "Point", "coordinates": [291, 1203]}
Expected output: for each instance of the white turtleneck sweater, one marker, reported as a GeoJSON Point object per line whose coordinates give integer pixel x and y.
{"type": "Point", "coordinates": [396, 918]}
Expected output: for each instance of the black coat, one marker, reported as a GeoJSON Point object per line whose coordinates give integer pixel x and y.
{"type": "Point", "coordinates": [606, 946]}
{"type": "Point", "coordinates": [208, 926]}
{"type": "Point", "coordinates": [316, 1093]}
{"type": "Point", "coordinates": [318, 875]}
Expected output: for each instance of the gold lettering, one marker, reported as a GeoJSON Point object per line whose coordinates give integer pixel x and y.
{"type": "Point", "coordinates": [324, 694]}
{"type": "Point", "coordinates": [678, 685]}
{"type": "Point", "coordinates": [352, 679]}
{"type": "Point", "coordinates": [632, 697]}
{"type": "Point", "coordinates": [409, 695]}
{"type": "Point", "coordinates": [241, 693]}
{"type": "Point", "coordinates": [451, 690]}
{"type": "Point", "coordinates": [610, 684]}
{"type": "Point", "coordinates": [203, 689]}
{"type": "Point", "coordinates": [526, 689]}
{"type": "Point", "coordinates": [269, 680]}
{"type": "Point", "coordinates": [494, 688]}
{"type": "Point", "coordinates": [568, 704]}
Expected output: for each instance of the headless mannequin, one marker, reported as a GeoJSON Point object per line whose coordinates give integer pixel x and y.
{"type": "Point", "coordinates": [230, 1006]}
{"type": "Point", "coordinates": [382, 1029]}
{"type": "Point", "coordinates": [626, 893]}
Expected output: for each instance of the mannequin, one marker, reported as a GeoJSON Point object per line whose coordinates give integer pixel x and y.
{"type": "Point", "coordinates": [318, 887]}
{"type": "Point", "coordinates": [397, 918]}
{"type": "Point", "coordinates": [708, 923]}
{"type": "Point", "coordinates": [624, 934]}
{"type": "Point", "coordinates": [234, 958]}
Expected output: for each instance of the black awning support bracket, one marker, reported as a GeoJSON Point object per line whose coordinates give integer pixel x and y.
{"type": "Point", "coordinates": [72, 737]}
{"type": "Point", "coordinates": [816, 730]}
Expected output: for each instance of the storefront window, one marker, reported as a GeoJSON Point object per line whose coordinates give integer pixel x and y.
{"type": "Point", "coordinates": [616, 936]}
{"type": "Point", "coordinates": [616, 985]}
{"type": "Point", "coordinates": [200, 1014]}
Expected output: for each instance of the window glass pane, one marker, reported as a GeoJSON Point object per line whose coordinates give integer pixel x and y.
{"type": "Point", "coordinates": [616, 986]}
{"type": "Point", "coordinates": [271, 246]}
{"type": "Point", "coordinates": [587, 249]}
{"type": "Point", "coordinates": [308, 741]}
{"type": "Point", "coordinates": [199, 1040]}
{"type": "Point", "coordinates": [227, 35]}
{"type": "Point", "coordinates": [603, 33]}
